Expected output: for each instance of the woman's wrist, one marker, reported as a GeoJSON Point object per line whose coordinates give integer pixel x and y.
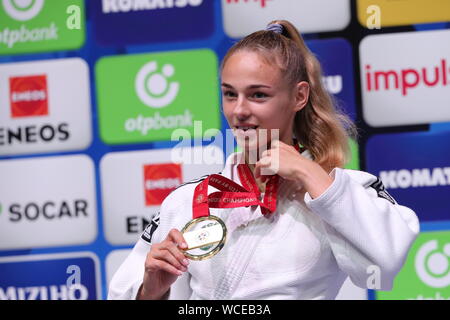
{"type": "Point", "coordinates": [144, 295]}
{"type": "Point", "coordinates": [313, 178]}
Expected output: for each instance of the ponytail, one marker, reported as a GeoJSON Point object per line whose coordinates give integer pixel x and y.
{"type": "Point", "coordinates": [320, 126]}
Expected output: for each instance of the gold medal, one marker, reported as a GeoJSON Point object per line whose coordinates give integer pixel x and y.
{"type": "Point", "coordinates": [205, 237]}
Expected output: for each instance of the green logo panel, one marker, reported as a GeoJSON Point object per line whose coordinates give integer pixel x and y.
{"type": "Point", "coordinates": [145, 97]}
{"type": "Point", "coordinates": [426, 273]}
{"type": "Point", "coordinates": [354, 160]}
{"type": "Point", "coordinates": [28, 26]}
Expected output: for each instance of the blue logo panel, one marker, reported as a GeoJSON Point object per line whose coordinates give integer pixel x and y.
{"type": "Point", "coordinates": [415, 169]}
{"type": "Point", "coordinates": [50, 277]}
{"type": "Point", "coordinates": [336, 58]}
{"type": "Point", "coordinates": [138, 22]}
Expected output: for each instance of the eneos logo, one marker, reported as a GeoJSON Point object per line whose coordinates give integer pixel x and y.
{"type": "Point", "coordinates": [45, 110]}
{"type": "Point", "coordinates": [160, 180]}
{"type": "Point", "coordinates": [162, 92]}
{"type": "Point", "coordinates": [153, 88]}
{"type": "Point", "coordinates": [40, 25]}
{"type": "Point", "coordinates": [23, 9]}
{"type": "Point", "coordinates": [28, 96]}
{"type": "Point", "coordinates": [135, 183]}
{"type": "Point", "coordinates": [432, 264]}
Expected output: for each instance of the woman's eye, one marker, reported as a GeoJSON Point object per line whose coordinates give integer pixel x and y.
{"type": "Point", "coordinates": [229, 94]}
{"type": "Point", "coordinates": [259, 95]}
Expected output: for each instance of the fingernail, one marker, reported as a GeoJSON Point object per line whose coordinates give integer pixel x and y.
{"type": "Point", "coordinates": [183, 245]}
{"type": "Point", "coordinates": [185, 262]}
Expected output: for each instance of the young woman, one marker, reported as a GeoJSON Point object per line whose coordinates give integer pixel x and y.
{"type": "Point", "coordinates": [329, 222]}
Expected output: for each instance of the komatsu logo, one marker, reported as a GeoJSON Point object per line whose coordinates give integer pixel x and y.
{"type": "Point", "coordinates": [424, 177]}
{"type": "Point", "coordinates": [113, 6]}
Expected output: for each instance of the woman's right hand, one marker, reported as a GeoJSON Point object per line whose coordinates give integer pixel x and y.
{"type": "Point", "coordinates": [164, 264]}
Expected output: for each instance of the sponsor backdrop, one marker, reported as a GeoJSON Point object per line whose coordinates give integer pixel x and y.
{"type": "Point", "coordinates": [106, 106]}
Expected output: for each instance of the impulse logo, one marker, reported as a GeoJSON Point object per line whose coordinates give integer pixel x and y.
{"type": "Point", "coordinates": [159, 181]}
{"type": "Point", "coordinates": [28, 96]}
{"type": "Point", "coordinates": [408, 78]}
{"type": "Point", "coordinates": [413, 85]}
{"type": "Point", "coordinates": [262, 3]}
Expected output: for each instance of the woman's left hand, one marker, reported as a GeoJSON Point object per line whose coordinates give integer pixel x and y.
{"type": "Point", "coordinates": [288, 163]}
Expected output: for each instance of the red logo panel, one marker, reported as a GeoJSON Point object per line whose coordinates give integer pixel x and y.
{"type": "Point", "coordinates": [28, 96]}
{"type": "Point", "coordinates": [159, 181]}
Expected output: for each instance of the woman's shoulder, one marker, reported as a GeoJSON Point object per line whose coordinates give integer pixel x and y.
{"type": "Point", "coordinates": [363, 177]}
{"type": "Point", "coordinates": [369, 181]}
{"type": "Point", "coordinates": [184, 190]}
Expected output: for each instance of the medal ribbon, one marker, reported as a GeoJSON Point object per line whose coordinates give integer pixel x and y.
{"type": "Point", "coordinates": [232, 195]}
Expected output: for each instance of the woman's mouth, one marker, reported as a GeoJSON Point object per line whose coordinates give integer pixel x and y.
{"type": "Point", "coordinates": [245, 131]}
{"type": "Point", "coordinates": [246, 128]}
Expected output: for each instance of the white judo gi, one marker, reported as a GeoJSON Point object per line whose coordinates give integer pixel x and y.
{"type": "Point", "coordinates": [304, 250]}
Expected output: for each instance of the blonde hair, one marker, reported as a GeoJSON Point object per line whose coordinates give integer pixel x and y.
{"type": "Point", "coordinates": [320, 126]}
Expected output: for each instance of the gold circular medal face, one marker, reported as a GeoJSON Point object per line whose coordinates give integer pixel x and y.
{"type": "Point", "coordinates": [205, 237]}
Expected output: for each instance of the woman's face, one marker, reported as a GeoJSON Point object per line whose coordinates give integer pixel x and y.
{"type": "Point", "coordinates": [255, 97]}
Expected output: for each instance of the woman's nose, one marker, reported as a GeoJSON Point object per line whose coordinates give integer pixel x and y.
{"type": "Point", "coordinates": [241, 109]}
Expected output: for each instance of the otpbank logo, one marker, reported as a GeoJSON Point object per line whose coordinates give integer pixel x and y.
{"type": "Point", "coordinates": [145, 97]}
{"type": "Point", "coordinates": [415, 169]}
{"type": "Point", "coordinates": [49, 201]}
{"type": "Point", "coordinates": [405, 78]}
{"type": "Point", "coordinates": [147, 21]}
{"type": "Point", "coordinates": [45, 106]}
{"type": "Point", "coordinates": [241, 17]}
{"type": "Point", "coordinates": [41, 25]}
{"type": "Point", "coordinates": [426, 273]}
{"type": "Point", "coordinates": [28, 96]}
{"type": "Point", "coordinates": [63, 276]}
{"type": "Point", "coordinates": [160, 180]}
{"type": "Point", "coordinates": [135, 183]}
{"type": "Point", "coordinates": [397, 13]}
{"type": "Point", "coordinates": [22, 9]}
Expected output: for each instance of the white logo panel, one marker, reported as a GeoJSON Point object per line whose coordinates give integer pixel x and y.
{"type": "Point", "coordinates": [128, 196]}
{"type": "Point", "coordinates": [45, 106]}
{"type": "Point", "coordinates": [242, 17]}
{"type": "Point", "coordinates": [401, 82]}
{"type": "Point", "coordinates": [47, 202]}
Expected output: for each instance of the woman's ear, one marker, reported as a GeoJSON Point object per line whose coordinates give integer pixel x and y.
{"type": "Point", "coordinates": [301, 95]}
